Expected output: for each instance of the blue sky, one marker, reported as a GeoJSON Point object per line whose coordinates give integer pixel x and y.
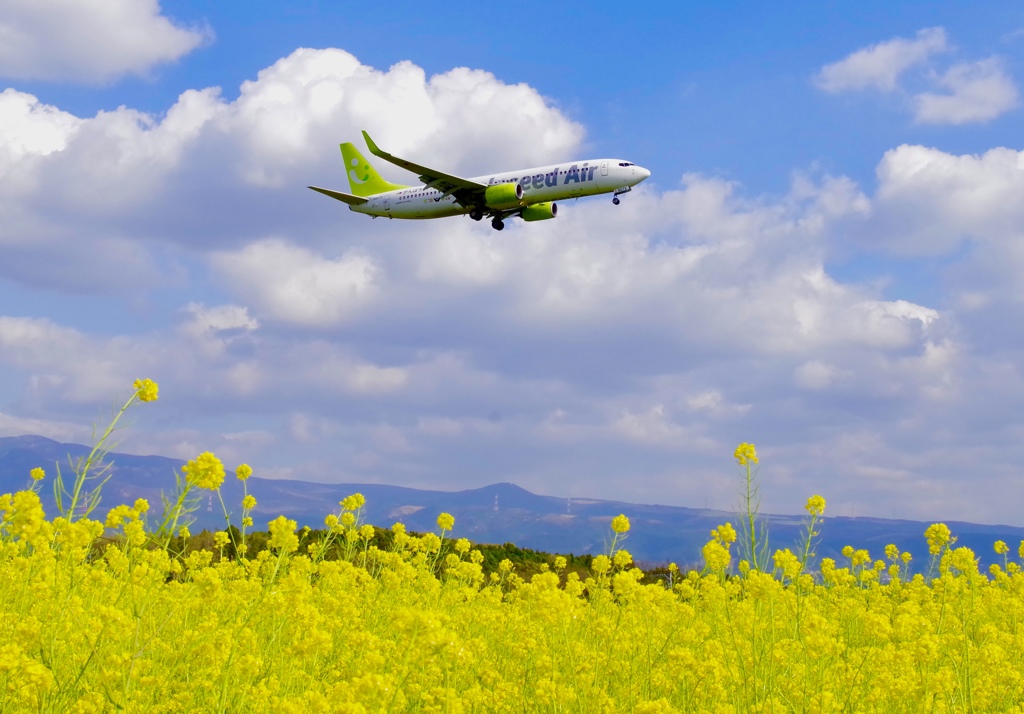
{"type": "Point", "coordinates": [825, 261]}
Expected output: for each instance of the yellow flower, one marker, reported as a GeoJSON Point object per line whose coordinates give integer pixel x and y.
{"type": "Point", "coordinates": [146, 390]}
{"type": "Point", "coordinates": [815, 505]}
{"type": "Point", "coordinates": [205, 471]}
{"type": "Point", "coordinates": [847, 551]}
{"type": "Point", "coordinates": [462, 545]}
{"type": "Point", "coordinates": [141, 505]}
{"type": "Point", "coordinates": [938, 537]}
{"type": "Point", "coordinates": [184, 532]}
{"type": "Point", "coordinates": [348, 519]}
{"type": "Point", "coordinates": [601, 564]}
{"type": "Point", "coordinates": [446, 521]}
{"type": "Point", "coordinates": [620, 524]}
{"type": "Point", "coordinates": [37, 474]}
{"type": "Point", "coordinates": [724, 534]}
{"type": "Point", "coordinates": [331, 520]}
{"type": "Point", "coordinates": [282, 534]}
{"type": "Point", "coordinates": [622, 559]}
{"type": "Point", "coordinates": [745, 454]}
{"type": "Point", "coordinates": [221, 539]}
{"type": "Point", "coordinates": [1001, 547]}
{"type": "Point", "coordinates": [716, 556]}
{"type": "Point", "coordinates": [135, 532]}
{"type": "Point", "coordinates": [353, 502]}
{"type": "Point", "coordinates": [788, 563]}
{"type": "Point", "coordinates": [366, 532]}
{"type": "Point", "coordinates": [892, 552]}
{"type": "Point", "coordinates": [243, 472]}
{"type": "Point", "coordinates": [249, 502]}
{"type": "Point", "coordinates": [906, 557]}
{"type": "Point", "coordinates": [117, 516]}
{"type": "Point", "coordinates": [247, 522]}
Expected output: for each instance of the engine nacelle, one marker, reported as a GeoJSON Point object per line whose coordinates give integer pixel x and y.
{"type": "Point", "coordinates": [504, 195]}
{"type": "Point", "coordinates": [540, 211]}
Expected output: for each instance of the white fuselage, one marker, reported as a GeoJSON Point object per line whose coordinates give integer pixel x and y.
{"type": "Point", "coordinates": [545, 183]}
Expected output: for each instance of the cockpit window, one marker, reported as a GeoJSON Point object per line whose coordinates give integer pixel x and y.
{"type": "Point", "coordinates": [625, 163]}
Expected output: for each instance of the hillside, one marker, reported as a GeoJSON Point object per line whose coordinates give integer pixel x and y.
{"type": "Point", "coordinates": [497, 513]}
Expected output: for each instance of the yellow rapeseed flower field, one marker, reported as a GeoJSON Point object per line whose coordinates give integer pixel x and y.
{"type": "Point", "coordinates": [138, 626]}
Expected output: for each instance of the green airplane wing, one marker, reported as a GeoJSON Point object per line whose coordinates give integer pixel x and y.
{"type": "Point", "coordinates": [464, 190]}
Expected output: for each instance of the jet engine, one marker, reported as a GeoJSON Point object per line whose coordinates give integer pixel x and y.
{"type": "Point", "coordinates": [540, 211]}
{"type": "Point", "coordinates": [504, 195]}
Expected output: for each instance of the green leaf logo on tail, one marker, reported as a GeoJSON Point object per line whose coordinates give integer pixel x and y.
{"type": "Point", "coordinates": [353, 176]}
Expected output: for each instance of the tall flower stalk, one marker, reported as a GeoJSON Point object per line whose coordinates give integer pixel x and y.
{"type": "Point", "coordinates": [753, 542]}
{"type": "Point", "coordinates": [92, 469]}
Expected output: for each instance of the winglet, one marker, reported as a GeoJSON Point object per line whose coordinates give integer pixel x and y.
{"type": "Point", "coordinates": [373, 147]}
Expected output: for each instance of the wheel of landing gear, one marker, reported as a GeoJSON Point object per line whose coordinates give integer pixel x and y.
{"type": "Point", "coordinates": [476, 214]}
{"type": "Point", "coordinates": [616, 201]}
{"type": "Point", "coordinates": [497, 224]}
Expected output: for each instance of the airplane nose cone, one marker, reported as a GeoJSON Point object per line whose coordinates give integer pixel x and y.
{"type": "Point", "coordinates": [642, 172]}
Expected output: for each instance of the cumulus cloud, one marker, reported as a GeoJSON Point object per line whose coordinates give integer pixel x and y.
{"type": "Point", "coordinates": [218, 319]}
{"type": "Point", "coordinates": [967, 92]}
{"type": "Point", "coordinates": [30, 128]}
{"type": "Point", "coordinates": [89, 40]}
{"type": "Point", "coordinates": [976, 92]}
{"type": "Point", "coordinates": [240, 167]}
{"type": "Point", "coordinates": [615, 351]}
{"type": "Point", "coordinates": [929, 201]}
{"type": "Point", "coordinates": [294, 285]}
{"type": "Point", "coordinates": [880, 66]}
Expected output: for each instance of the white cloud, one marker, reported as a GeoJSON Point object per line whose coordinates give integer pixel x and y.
{"type": "Point", "coordinates": [294, 285]}
{"type": "Point", "coordinates": [612, 351]}
{"type": "Point", "coordinates": [713, 403]}
{"type": "Point", "coordinates": [815, 374]}
{"type": "Point", "coordinates": [218, 318]}
{"type": "Point", "coordinates": [977, 92]}
{"type": "Point", "coordinates": [654, 426]}
{"type": "Point", "coordinates": [63, 431]}
{"type": "Point", "coordinates": [928, 201]}
{"type": "Point", "coordinates": [967, 92]}
{"type": "Point", "coordinates": [89, 40]}
{"type": "Point", "coordinates": [239, 167]}
{"type": "Point", "coordinates": [880, 66]}
{"type": "Point", "coordinates": [28, 127]}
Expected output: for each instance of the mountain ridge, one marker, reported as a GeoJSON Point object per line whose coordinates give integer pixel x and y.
{"type": "Point", "coordinates": [495, 513]}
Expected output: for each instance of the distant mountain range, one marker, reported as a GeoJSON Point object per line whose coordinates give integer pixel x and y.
{"type": "Point", "coordinates": [499, 513]}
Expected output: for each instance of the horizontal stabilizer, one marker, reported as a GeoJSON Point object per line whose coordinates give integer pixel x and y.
{"type": "Point", "coordinates": [339, 196]}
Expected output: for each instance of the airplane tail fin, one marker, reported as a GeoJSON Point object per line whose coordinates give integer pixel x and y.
{"type": "Point", "coordinates": [363, 178]}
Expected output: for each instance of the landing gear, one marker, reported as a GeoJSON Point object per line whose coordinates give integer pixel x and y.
{"type": "Point", "coordinates": [616, 201]}
{"type": "Point", "coordinates": [497, 224]}
{"type": "Point", "coordinates": [476, 214]}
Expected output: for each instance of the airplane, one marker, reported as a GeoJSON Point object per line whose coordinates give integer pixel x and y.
{"type": "Point", "coordinates": [527, 193]}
